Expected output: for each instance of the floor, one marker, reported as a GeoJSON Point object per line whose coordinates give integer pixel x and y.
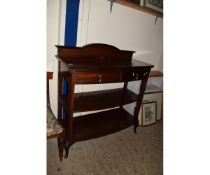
{"type": "Point", "coordinates": [121, 153]}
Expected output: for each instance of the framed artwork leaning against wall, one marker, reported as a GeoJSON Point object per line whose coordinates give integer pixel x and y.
{"type": "Point", "coordinates": [149, 113]}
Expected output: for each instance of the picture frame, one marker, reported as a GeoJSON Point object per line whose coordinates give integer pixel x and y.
{"type": "Point", "coordinates": [149, 113]}
{"type": "Point", "coordinates": [135, 1]}
{"type": "Point", "coordinates": [156, 5]}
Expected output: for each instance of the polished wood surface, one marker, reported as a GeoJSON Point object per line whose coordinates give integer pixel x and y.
{"type": "Point", "coordinates": [100, 124]}
{"type": "Point", "coordinates": [98, 100]}
{"type": "Point", "coordinates": [94, 51]}
{"type": "Point", "coordinates": [155, 74]}
{"type": "Point", "coordinates": [97, 64]}
{"type": "Point", "coordinates": [98, 57]}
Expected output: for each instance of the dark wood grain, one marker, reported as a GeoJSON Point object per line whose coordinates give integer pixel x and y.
{"type": "Point", "coordinates": [98, 51]}
{"type": "Point", "coordinates": [103, 99]}
{"type": "Point", "coordinates": [98, 57]}
{"type": "Point", "coordinates": [140, 98]}
{"type": "Point", "coordinates": [49, 76]}
{"type": "Point", "coordinates": [100, 124]}
{"type": "Point", "coordinates": [91, 77]}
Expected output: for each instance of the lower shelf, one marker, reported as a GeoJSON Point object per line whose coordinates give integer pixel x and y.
{"type": "Point", "coordinates": [100, 124]}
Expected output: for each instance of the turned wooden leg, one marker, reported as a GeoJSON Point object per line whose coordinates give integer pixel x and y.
{"type": "Point", "coordinates": [60, 146]}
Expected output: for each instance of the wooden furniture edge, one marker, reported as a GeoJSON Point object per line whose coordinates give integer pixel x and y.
{"type": "Point", "coordinates": [155, 73]}
{"type": "Point", "coordinates": [132, 72]}
{"type": "Point", "coordinates": [49, 76]}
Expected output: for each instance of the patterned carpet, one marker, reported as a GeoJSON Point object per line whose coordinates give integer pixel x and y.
{"type": "Point", "coordinates": [121, 153]}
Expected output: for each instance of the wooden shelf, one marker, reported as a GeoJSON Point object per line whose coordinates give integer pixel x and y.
{"type": "Point", "coordinates": [103, 99]}
{"type": "Point", "coordinates": [155, 74]}
{"type": "Point", "coordinates": [100, 124]}
{"type": "Point", "coordinates": [138, 7]}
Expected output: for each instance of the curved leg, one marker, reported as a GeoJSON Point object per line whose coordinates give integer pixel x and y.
{"type": "Point", "coordinates": [67, 145]}
{"type": "Point", "coordinates": [60, 146]}
{"type": "Point", "coordinates": [136, 120]}
{"type": "Point", "coordinates": [140, 98]}
{"type": "Point", "coordinates": [136, 124]}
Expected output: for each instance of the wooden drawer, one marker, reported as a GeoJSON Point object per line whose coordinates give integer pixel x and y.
{"type": "Point", "coordinates": [133, 75]}
{"type": "Point", "coordinates": [97, 77]}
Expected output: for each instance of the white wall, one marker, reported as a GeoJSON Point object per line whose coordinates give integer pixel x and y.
{"type": "Point", "coordinates": [53, 20]}
{"type": "Point", "coordinates": [124, 27]}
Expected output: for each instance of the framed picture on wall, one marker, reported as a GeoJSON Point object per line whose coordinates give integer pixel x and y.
{"type": "Point", "coordinates": [135, 1]}
{"type": "Point", "coordinates": [154, 4]}
{"type": "Point", "coordinates": [149, 113]}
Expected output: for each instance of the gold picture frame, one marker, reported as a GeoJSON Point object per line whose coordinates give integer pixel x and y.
{"type": "Point", "coordinates": [149, 113]}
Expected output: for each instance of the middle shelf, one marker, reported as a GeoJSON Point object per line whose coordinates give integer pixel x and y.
{"type": "Point", "coordinates": [97, 100]}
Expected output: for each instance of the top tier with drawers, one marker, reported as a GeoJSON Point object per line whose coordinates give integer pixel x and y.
{"type": "Point", "coordinates": [96, 64]}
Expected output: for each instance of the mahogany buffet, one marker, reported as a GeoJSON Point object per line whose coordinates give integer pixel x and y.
{"type": "Point", "coordinates": [97, 64]}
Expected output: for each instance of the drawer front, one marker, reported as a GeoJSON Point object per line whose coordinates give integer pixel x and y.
{"type": "Point", "coordinates": [133, 75]}
{"type": "Point", "coordinates": [97, 77]}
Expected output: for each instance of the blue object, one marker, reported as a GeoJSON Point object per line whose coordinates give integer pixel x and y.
{"type": "Point", "coordinates": [65, 85]}
{"type": "Point", "coordinates": [72, 11]}
{"type": "Point", "coordinates": [64, 115]}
